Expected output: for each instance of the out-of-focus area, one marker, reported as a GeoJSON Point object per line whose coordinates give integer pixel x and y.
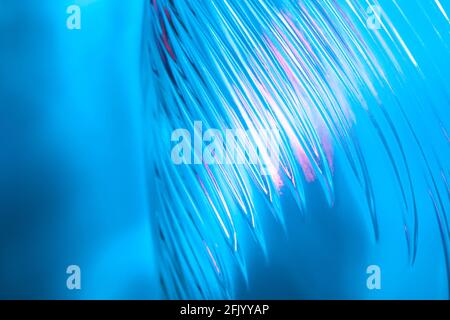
{"type": "Point", "coordinates": [72, 178]}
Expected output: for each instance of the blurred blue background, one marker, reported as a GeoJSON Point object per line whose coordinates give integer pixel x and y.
{"type": "Point", "coordinates": [72, 178]}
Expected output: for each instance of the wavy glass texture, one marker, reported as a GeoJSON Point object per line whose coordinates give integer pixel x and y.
{"type": "Point", "coordinates": [362, 116]}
